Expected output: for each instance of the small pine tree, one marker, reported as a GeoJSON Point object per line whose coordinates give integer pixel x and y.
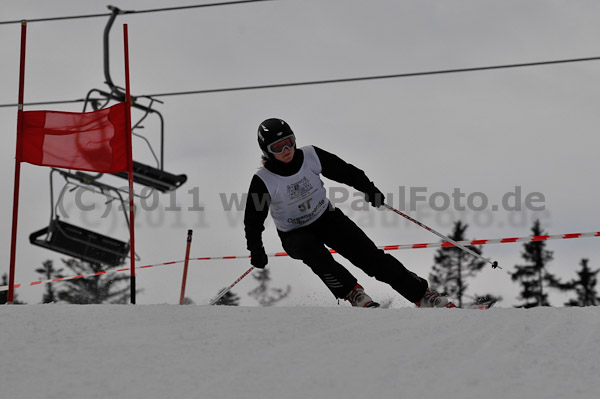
{"type": "Point", "coordinates": [95, 290]}
{"type": "Point", "coordinates": [49, 272]}
{"type": "Point", "coordinates": [263, 294]}
{"type": "Point", "coordinates": [585, 286]}
{"type": "Point", "coordinates": [188, 301]}
{"type": "Point", "coordinates": [4, 294]}
{"type": "Point", "coordinates": [534, 276]}
{"type": "Point", "coordinates": [453, 266]}
{"type": "Point", "coordinates": [229, 299]}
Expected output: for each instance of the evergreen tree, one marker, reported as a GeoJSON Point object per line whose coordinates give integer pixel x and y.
{"type": "Point", "coordinates": [453, 266]}
{"type": "Point", "coordinates": [585, 286]}
{"type": "Point", "coordinates": [188, 301]}
{"type": "Point", "coordinates": [534, 276]}
{"type": "Point", "coordinates": [105, 288]}
{"type": "Point", "coordinates": [4, 294]}
{"type": "Point", "coordinates": [263, 294]}
{"type": "Point", "coordinates": [229, 299]}
{"type": "Point", "coordinates": [49, 272]}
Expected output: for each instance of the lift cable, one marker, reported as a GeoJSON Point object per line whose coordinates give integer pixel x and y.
{"type": "Point", "coordinates": [378, 77]}
{"type": "Point", "coordinates": [132, 11]}
{"type": "Point", "coordinates": [339, 80]}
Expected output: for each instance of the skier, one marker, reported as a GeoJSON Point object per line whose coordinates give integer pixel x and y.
{"type": "Point", "coordinates": [289, 185]}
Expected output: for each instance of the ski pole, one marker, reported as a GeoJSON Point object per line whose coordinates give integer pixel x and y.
{"type": "Point", "coordinates": [227, 289]}
{"type": "Point", "coordinates": [443, 237]}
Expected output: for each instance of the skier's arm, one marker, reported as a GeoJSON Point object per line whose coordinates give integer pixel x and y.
{"type": "Point", "coordinates": [335, 168]}
{"type": "Point", "coordinates": [257, 210]}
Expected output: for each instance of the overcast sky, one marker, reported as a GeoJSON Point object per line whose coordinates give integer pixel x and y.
{"type": "Point", "coordinates": [480, 132]}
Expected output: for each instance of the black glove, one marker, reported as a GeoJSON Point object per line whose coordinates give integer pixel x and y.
{"type": "Point", "coordinates": [258, 258]}
{"type": "Point", "coordinates": [375, 197]}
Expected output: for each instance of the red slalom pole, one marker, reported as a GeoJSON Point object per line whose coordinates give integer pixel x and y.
{"type": "Point", "coordinates": [185, 267]}
{"type": "Point", "coordinates": [130, 166]}
{"type": "Point", "coordinates": [13, 244]}
{"type": "Point", "coordinates": [443, 237]}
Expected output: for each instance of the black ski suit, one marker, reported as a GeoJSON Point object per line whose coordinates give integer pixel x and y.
{"type": "Point", "coordinates": [332, 229]}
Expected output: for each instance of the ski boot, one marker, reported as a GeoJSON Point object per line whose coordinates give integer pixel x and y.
{"type": "Point", "coordinates": [358, 298]}
{"type": "Point", "coordinates": [432, 299]}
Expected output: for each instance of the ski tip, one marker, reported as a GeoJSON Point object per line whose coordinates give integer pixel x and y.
{"type": "Point", "coordinates": [491, 303]}
{"type": "Point", "coordinates": [485, 305]}
{"type": "Point", "coordinates": [482, 305]}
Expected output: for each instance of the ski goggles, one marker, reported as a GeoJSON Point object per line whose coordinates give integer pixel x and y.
{"type": "Point", "coordinates": [280, 145]}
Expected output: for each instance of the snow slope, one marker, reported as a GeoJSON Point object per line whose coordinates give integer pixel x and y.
{"type": "Point", "coordinates": [170, 351]}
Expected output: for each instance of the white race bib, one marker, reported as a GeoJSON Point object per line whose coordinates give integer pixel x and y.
{"type": "Point", "coordinates": [300, 199]}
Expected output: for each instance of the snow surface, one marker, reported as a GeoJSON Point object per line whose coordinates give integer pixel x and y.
{"type": "Point", "coordinates": [171, 351]}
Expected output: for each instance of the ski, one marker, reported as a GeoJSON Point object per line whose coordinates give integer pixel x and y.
{"type": "Point", "coordinates": [481, 305]}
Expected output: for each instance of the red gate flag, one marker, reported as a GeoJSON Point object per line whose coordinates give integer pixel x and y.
{"type": "Point", "coordinates": [91, 141]}
{"type": "Point", "coordinates": [98, 141]}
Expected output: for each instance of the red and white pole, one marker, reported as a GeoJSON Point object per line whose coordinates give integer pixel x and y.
{"type": "Point", "coordinates": [227, 289]}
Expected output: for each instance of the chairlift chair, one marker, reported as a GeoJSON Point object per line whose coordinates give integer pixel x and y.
{"type": "Point", "coordinates": [80, 243]}
{"type": "Point", "coordinates": [76, 241]}
{"type": "Point", "coordinates": [151, 176]}
{"type": "Point", "coordinates": [146, 175]}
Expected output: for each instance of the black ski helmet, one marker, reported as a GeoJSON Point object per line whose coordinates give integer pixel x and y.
{"type": "Point", "coordinates": [271, 130]}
